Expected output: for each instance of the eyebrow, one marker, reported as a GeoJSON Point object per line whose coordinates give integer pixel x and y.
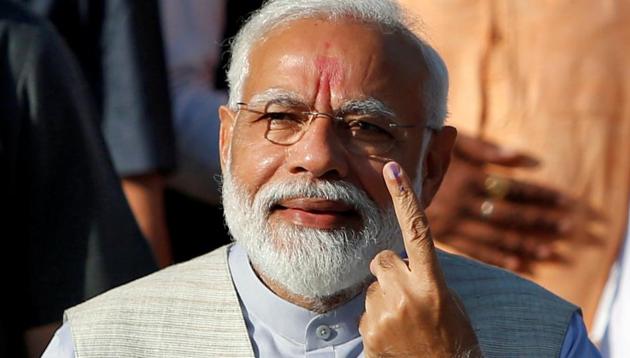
{"type": "Point", "coordinates": [369, 105]}
{"type": "Point", "coordinates": [366, 106]}
{"type": "Point", "coordinates": [277, 95]}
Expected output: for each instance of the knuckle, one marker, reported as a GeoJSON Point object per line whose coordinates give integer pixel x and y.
{"type": "Point", "coordinates": [530, 246]}
{"type": "Point", "coordinates": [420, 232]}
{"type": "Point", "coordinates": [406, 197]}
{"type": "Point", "coordinates": [363, 323]}
{"type": "Point", "coordinates": [408, 200]}
{"type": "Point", "coordinates": [422, 303]}
{"type": "Point", "coordinates": [385, 259]}
{"type": "Point", "coordinates": [535, 219]}
{"type": "Point", "coordinates": [371, 337]}
{"type": "Point", "coordinates": [404, 305]}
{"type": "Point", "coordinates": [434, 299]}
{"type": "Point", "coordinates": [373, 289]}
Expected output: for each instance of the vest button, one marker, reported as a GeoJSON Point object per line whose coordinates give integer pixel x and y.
{"type": "Point", "coordinates": [323, 332]}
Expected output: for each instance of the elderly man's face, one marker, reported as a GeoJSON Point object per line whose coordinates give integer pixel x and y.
{"type": "Point", "coordinates": [327, 64]}
{"type": "Point", "coordinates": [313, 212]}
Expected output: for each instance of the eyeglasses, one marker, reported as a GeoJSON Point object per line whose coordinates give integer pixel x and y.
{"type": "Point", "coordinates": [362, 132]}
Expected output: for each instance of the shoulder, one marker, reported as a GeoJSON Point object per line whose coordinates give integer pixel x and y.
{"type": "Point", "coordinates": [21, 34]}
{"type": "Point", "coordinates": [18, 25]}
{"type": "Point", "coordinates": [508, 312]}
{"type": "Point", "coordinates": [37, 58]}
{"type": "Point", "coordinates": [165, 287]}
{"type": "Point", "coordinates": [12, 13]}
{"type": "Point", "coordinates": [470, 277]}
{"type": "Point", "coordinates": [155, 315]}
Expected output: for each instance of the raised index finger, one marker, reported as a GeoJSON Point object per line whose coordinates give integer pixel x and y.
{"type": "Point", "coordinates": [411, 218]}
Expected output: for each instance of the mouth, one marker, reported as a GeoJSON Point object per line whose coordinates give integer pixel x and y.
{"type": "Point", "coordinates": [317, 213]}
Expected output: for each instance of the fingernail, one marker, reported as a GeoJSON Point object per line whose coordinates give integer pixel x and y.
{"type": "Point", "coordinates": [395, 173]}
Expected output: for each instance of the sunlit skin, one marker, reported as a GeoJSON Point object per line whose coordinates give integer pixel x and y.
{"type": "Point", "coordinates": [409, 310]}
{"type": "Point", "coordinates": [325, 64]}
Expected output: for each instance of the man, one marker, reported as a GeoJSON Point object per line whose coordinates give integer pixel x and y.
{"type": "Point", "coordinates": [118, 45]}
{"type": "Point", "coordinates": [331, 104]}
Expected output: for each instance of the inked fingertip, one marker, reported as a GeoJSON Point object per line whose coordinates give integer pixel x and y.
{"type": "Point", "coordinates": [393, 171]}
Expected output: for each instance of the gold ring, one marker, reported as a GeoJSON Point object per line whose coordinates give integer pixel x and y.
{"type": "Point", "coordinates": [496, 187]}
{"type": "Point", "coordinates": [486, 209]}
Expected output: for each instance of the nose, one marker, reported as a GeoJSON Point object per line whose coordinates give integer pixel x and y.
{"type": "Point", "coordinates": [319, 152]}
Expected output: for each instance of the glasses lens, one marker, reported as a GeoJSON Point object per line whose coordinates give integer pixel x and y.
{"type": "Point", "coordinates": [371, 135]}
{"type": "Point", "coordinates": [285, 124]}
{"type": "Point", "coordinates": [360, 133]}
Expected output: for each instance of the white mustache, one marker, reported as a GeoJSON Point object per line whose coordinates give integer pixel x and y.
{"type": "Point", "coordinates": [272, 194]}
{"type": "Point", "coordinates": [329, 261]}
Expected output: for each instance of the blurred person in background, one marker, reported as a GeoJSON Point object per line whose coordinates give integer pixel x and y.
{"type": "Point", "coordinates": [67, 231]}
{"type": "Point", "coordinates": [195, 33]}
{"type": "Point", "coordinates": [118, 45]}
{"type": "Point", "coordinates": [540, 179]}
{"type": "Point", "coordinates": [193, 30]}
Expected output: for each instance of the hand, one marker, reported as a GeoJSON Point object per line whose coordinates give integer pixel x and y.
{"type": "Point", "coordinates": [145, 195]}
{"type": "Point", "coordinates": [409, 310]}
{"type": "Point", "coordinates": [36, 339]}
{"type": "Point", "coordinates": [501, 221]}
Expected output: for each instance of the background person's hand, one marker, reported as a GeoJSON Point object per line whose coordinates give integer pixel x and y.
{"type": "Point", "coordinates": [409, 310]}
{"type": "Point", "coordinates": [493, 218]}
{"type": "Point", "coordinates": [145, 194]}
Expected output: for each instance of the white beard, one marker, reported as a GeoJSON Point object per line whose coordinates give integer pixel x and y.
{"type": "Point", "coordinates": [305, 261]}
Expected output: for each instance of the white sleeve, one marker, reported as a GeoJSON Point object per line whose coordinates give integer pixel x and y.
{"type": "Point", "coordinates": [61, 345]}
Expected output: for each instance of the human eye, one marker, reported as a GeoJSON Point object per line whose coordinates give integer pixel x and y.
{"type": "Point", "coordinates": [368, 128]}
{"type": "Point", "coordinates": [279, 116]}
{"type": "Point", "coordinates": [283, 118]}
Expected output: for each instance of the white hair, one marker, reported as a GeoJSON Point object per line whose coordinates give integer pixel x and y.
{"type": "Point", "coordinates": [386, 14]}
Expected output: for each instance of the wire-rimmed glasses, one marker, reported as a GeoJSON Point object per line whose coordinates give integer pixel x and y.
{"type": "Point", "coordinates": [371, 133]}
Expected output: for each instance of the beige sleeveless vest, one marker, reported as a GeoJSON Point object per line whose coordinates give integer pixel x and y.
{"type": "Point", "coordinates": [186, 310]}
{"type": "Point", "coordinates": [192, 310]}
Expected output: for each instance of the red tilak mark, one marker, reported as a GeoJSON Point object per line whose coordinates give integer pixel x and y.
{"type": "Point", "coordinates": [330, 75]}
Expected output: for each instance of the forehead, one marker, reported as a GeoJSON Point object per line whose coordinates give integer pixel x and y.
{"type": "Point", "coordinates": [353, 59]}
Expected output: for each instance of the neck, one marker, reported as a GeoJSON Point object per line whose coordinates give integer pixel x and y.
{"type": "Point", "coordinates": [317, 304]}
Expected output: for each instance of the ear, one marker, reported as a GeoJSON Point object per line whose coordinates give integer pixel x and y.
{"type": "Point", "coordinates": [437, 161]}
{"type": "Point", "coordinates": [228, 119]}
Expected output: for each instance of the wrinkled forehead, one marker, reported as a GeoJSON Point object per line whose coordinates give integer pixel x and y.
{"type": "Point", "coordinates": [339, 60]}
